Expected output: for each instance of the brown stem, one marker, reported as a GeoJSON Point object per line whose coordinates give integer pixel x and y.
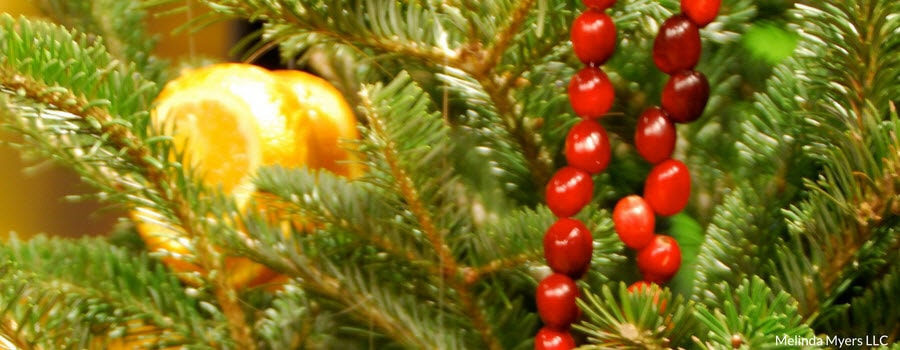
{"type": "Point", "coordinates": [473, 274]}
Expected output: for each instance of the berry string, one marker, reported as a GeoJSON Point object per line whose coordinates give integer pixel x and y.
{"type": "Point", "coordinates": [568, 243]}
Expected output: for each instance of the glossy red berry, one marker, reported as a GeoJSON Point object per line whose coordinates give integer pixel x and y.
{"type": "Point", "coordinates": [654, 136]}
{"type": "Point", "coordinates": [568, 246]}
{"type": "Point", "coordinates": [660, 259]}
{"type": "Point", "coordinates": [677, 45]}
{"type": "Point", "coordinates": [553, 339]}
{"type": "Point", "coordinates": [668, 187]}
{"type": "Point", "coordinates": [556, 295]}
{"type": "Point", "coordinates": [587, 146]}
{"type": "Point", "coordinates": [590, 93]}
{"type": "Point", "coordinates": [569, 190]}
{"type": "Point", "coordinates": [684, 96]}
{"type": "Point", "coordinates": [593, 36]}
{"type": "Point", "coordinates": [634, 221]}
{"type": "Point", "coordinates": [701, 12]}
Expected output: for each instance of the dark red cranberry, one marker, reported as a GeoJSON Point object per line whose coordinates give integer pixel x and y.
{"type": "Point", "coordinates": [677, 45]}
{"type": "Point", "coordinates": [654, 136]}
{"type": "Point", "coordinates": [568, 246]}
{"type": "Point", "coordinates": [685, 95]}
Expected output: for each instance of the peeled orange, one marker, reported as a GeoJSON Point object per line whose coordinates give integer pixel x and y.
{"type": "Point", "coordinates": [229, 119]}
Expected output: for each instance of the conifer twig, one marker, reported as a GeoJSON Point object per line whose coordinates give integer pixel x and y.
{"type": "Point", "coordinates": [122, 138]}
{"type": "Point", "coordinates": [474, 274]}
{"type": "Point", "coordinates": [481, 64]}
{"type": "Point", "coordinates": [450, 266]}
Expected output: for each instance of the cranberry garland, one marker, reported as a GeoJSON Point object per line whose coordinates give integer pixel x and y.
{"type": "Point", "coordinates": [568, 243]}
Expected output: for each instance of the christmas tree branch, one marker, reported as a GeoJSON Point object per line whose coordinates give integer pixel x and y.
{"type": "Point", "coordinates": [87, 291]}
{"type": "Point", "coordinates": [408, 191]}
{"type": "Point", "coordinates": [120, 137]}
{"type": "Point", "coordinates": [489, 60]}
{"type": "Point", "coordinates": [615, 317]}
{"type": "Point", "coordinates": [361, 304]}
{"type": "Point", "coordinates": [120, 24]}
{"type": "Point", "coordinates": [858, 149]}
{"type": "Point", "coordinates": [538, 159]}
{"type": "Point", "coordinates": [352, 207]}
{"type": "Point", "coordinates": [286, 19]}
{"type": "Point", "coordinates": [112, 132]}
{"type": "Point", "coordinates": [475, 274]}
{"type": "Point", "coordinates": [341, 207]}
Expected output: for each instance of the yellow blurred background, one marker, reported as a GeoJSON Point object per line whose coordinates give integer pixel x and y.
{"type": "Point", "coordinates": [34, 203]}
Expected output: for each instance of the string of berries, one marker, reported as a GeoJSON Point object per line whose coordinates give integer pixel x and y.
{"type": "Point", "coordinates": [676, 51]}
{"type": "Point", "coordinates": [568, 244]}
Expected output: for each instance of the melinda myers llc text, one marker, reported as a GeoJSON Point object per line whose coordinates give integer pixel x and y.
{"type": "Point", "coordinates": [833, 341]}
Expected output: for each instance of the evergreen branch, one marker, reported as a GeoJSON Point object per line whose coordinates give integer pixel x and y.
{"type": "Point", "coordinates": [751, 313]}
{"type": "Point", "coordinates": [875, 312]}
{"type": "Point", "coordinates": [484, 137]}
{"type": "Point", "coordinates": [647, 320]}
{"type": "Point", "coordinates": [291, 307]}
{"type": "Point", "coordinates": [376, 114]}
{"type": "Point", "coordinates": [535, 155]}
{"type": "Point", "coordinates": [354, 207]}
{"type": "Point", "coordinates": [119, 24]}
{"type": "Point", "coordinates": [373, 24]}
{"type": "Point", "coordinates": [502, 40]}
{"type": "Point", "coordinates": [82, 288]}
{"type": "Point", "coordinates": [410, 194]}
{"type": "Point", "coordinates": [857, 149]}
{"type": "Point", "coordinates": [25, 76]}
{"type": "Point", "coordinates": [329, 273]}
{"type": "Point", "coordinates": [120, 137]}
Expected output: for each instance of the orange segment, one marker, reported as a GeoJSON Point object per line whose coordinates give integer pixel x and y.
{"type": "Point", "coordinates": [214, 134]}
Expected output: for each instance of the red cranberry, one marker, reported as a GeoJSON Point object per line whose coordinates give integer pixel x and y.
{"type": "Point", "coordinates": [660, 259]}
{"type": "Point", "coordinates": [591, 93]}
{"type": "Point", "coordinates": [553, 339]}
{"type": "Point", "coordinates": [556, 301]}
{"type": "Point", "coordinates": [668, 187]}
{"type": "Point", "coordinates": [654, 136]}
{"type": "Point", "coordinates": [569, 190]}
{"type": "Point", "coordinates": [677, 45]}
{"type": "Point", "coordinates": [634, 221]}
{"type": "Point", "coordinates": [684, 96]}
{"type": "Point", "coordinates": [568, 246]}
{"type": "Point", "coordinates": [701, 12]}
{"type": "Point", "coordinates": [587, 146]}
{"type": "Point", "coordinates": [593, 37]}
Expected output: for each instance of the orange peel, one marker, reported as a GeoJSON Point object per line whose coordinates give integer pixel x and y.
{"type": "Point", "coordinates": [229, 119]}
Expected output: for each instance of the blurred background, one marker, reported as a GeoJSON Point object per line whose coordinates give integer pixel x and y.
{"type": "Point", "coordinates": [33, 201]}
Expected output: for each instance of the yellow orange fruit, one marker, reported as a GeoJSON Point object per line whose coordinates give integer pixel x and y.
{"type": "Point", "coordinates": [228, 120]}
